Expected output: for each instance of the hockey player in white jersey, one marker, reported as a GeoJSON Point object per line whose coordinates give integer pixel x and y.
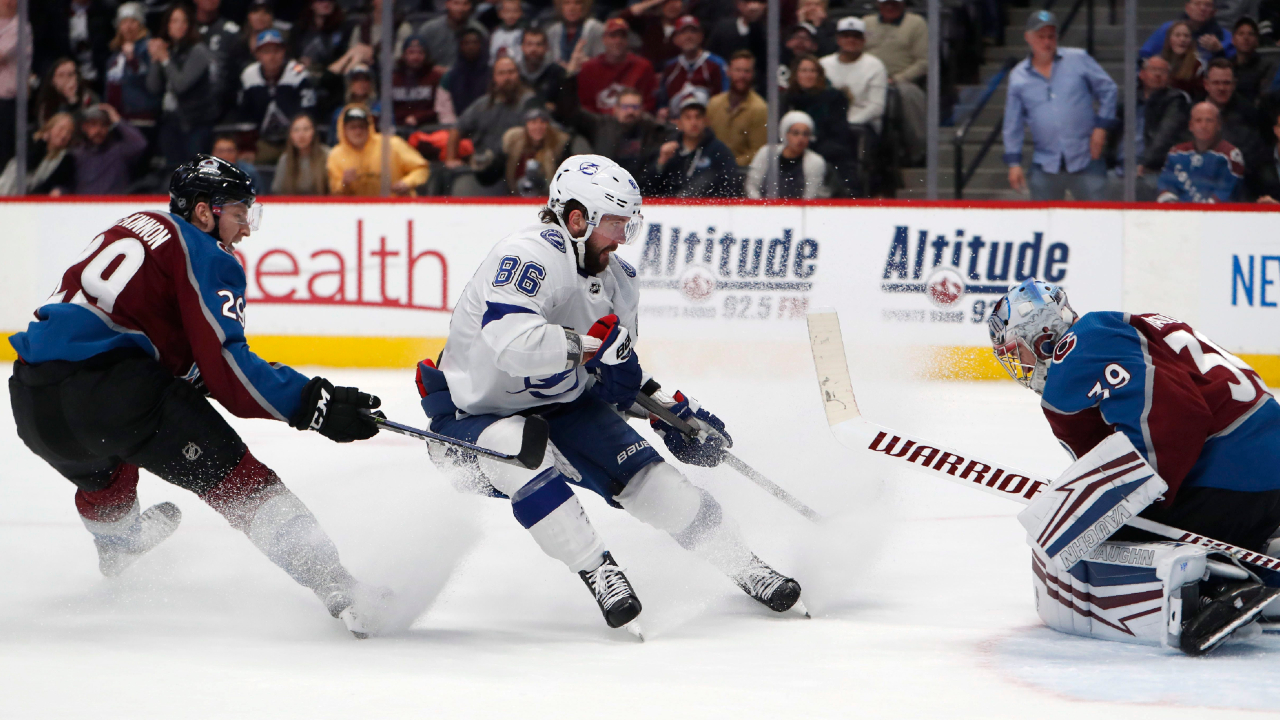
{"type": "Point", "coordinates": [546, 326]}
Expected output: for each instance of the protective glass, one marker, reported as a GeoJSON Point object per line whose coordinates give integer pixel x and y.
{"type": "Point", "coordinates": [249, 216]}
{"type": "Point", "coordinates": [1018, 359]}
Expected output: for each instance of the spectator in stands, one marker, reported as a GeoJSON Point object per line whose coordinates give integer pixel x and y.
{"type": "Point", "coordinates": [900, 40]}
{"type": "Point", "coordinates": [368, 32]}
{"type": "Point", "coordinates": [745, 31]}
{"type": "Point", "coordinates": [223, 37]}
{"type": "Point", "coordinates": [800, 40]}
{"type": "Point", "coordinates": [9, 76]}
{"type": "Point", "coordinates": [695, 164]}
{"type": "Point", "coordinates": [468, 79]}
{"type": "Point", "coordinates": [1237, 118]}
{"type": "Point", "coordinates": [694, 66]}
{"type": "Point", "coordinates": [860, 75]}
{"type": "Point", "coordinates": [506, 37]}
{"type": "Point", "coordinates": [182, 69]}
{"type": "Point", "coordinates": [1163, 114]}
{"type": "Point", "coordinates": [1206, 170]}
{"type": "Point", "coordinates": [1253, 71]}
{"type": "Point", "coordinates": [628, 136]}
{"type": "Point", "coordinates": [126, 87]}
{"type": "Point", "coordinates": [575, 37]}
{"type": "Point", "coordinates": [225, 148]}
{"type": "Point", "coordinates": [810, 93]}
{"type": "Point", "coordinates": [360, 90]}
{"type": "Point", "coordinates": [542, 75]}
{"type": "Point", "coordinates": [62, 90]}
{"type": "Point", "coordinates": [355, 163]}
{"type": "Point", "coordinates": [109, 147]}
{"type": "Point", "coordinates": [617, 67]}
{"type": "Point", "coordinates": [1268, 176]}
{"type": "Point", "coordinates": [1186, 64]}
{"type": "Point", "coordinates": [416, 96]}
{"type": "Point", "coordinates": [738, 116]}
{"type": "Point", "coordinates": [484, 123]}
{"type": "Point", "coordinates": [321, 35]}
{"type": "Point", "coordinates": [802, 173]}
{"type": "Point", "coordinates": [261, 16]}
{"type": "Point", "coordinates": [1269, 22]}
{"type": "Point", "coordinates": [533, 152]}
{"type": "Point", "coordinates": [1228, 12]}
{"type": "Point", "coordinates": [51, 169]}
{"type": "Point", "coordinates": [655, 28]}
{"type": "Point", "coordinates": [76, 29]}
{"type": "Point", "coordinates": [1053, 91]}
{"type": "Point", "coordinates": [812, 15]}
{"type": "Point", "coordinates": [272, 90]}
{"type": "Point", "coordinates": [444, 32]}
{"type": "Point", "coordinates": [302, 170]}
{"type": "Point", "coordinates": [1210, 39]}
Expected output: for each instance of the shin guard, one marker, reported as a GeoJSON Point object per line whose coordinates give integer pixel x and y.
{"type": "Point", "coordinates": [548, 509]}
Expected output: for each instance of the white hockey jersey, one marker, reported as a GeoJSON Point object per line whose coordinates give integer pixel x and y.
{"type": "Point", "coordinates": [507, 350]}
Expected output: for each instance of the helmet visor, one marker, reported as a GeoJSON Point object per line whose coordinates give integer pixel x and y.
{"type": "Point", "coordinates": [240, 213]}
{"type": "Point", "coordinates": [619, 229]}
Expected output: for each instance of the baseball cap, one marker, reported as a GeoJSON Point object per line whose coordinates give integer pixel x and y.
{"type": "Point", "coordinates": [691, 96]}
{"type": "Point", "coordinates": [255, 4]}
{"type": "Point", "coordinates": [534, 113]}
{"type": "Point", "coordinates": [359, 69]}
{"type": "Point", "coordinates": [851, 24]}
{"type": "Point", "coordinates": [616, 25]}
{"type": "Point", "coordinates": [356, 113]}
{"type": "Point", "coordinates": [269, 36]}
{"type": "Point", "coordinates": [687, 21]}
{"type": "Point", "coordinates": [1039, 19]}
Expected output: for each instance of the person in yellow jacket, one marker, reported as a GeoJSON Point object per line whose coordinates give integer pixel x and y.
{"type": "Point", "coordinates": [355, 163]}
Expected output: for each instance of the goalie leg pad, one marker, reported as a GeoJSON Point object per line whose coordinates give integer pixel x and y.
{"type": "Point", "coordinates": [1126, 592]}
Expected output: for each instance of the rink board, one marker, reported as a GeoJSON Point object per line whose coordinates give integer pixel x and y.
{"type": "Point", "coordinates": [372, 284]}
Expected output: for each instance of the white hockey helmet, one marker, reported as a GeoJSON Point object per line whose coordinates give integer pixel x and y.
{"type": "Point", "coordinates": [1026, 325]}
{"type": "Point", "coordinates": [603, 187]}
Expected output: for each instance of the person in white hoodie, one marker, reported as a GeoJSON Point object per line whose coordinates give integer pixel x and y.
{"type": "Point", "coordinates": [802, 173]}
{"type": "Point", "coordinates": [859, 74]}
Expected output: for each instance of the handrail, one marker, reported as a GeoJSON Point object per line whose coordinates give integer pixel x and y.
{"type": "Point", "coordinates": [962, 174]}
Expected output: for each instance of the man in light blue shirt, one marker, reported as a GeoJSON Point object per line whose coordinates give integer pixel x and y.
{"type": "Point", "coordinates": [1053, 93]}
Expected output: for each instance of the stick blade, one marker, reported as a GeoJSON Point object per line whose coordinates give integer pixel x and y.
{"type": "Point", "coordinates": [533, 446]}
{"type": "Point", "coordinates": [833, 370]}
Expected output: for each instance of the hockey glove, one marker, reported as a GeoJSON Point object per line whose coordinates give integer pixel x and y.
{"type": "Point", "coordinates": [335, 412]}
{"type": "Point", "coordinates": [616, 367]}
{"type": "Point", "coordinates": [707, 449]}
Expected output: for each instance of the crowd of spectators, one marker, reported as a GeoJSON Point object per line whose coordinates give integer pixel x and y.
{"type": "Point", "coordinates": [1208, 102]}
{"type": "Point", "coordinates": [485, 99]}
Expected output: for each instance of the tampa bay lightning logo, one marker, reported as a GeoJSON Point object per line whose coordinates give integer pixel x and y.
{"type": "Point", "coordinates": [588, 168]}
{"type": "Point", "coordinates": [534, 385]}
{"type": "Point", "coordinates": [554, 237]}
{"type": "Point", "coordinates": [626, 266]}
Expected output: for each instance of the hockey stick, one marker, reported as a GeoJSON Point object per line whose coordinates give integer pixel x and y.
{"type": "Point", "coordinates": [533, 446]}
{"type": "Point", "coordinates": [650, 403]}
{"type": "Point", "coordinates": [854, 431]}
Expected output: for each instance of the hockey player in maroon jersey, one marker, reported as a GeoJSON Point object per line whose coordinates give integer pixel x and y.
{"type": "Point", "coordinates": [1200, 418]}
{"type": "Point", "coordinates": [113, 373]}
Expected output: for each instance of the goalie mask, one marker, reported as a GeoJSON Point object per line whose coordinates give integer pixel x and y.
{"type": "Point", "coordinates": [1025, 325]}
{"type": "Point", "coordinates": [605, 189]}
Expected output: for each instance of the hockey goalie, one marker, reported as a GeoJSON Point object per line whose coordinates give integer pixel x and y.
{"type": "Point", "coordinates": [1163, 424]}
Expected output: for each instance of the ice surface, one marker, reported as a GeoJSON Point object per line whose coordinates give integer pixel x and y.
{"type": "Point", "coordinates": [920, 590]}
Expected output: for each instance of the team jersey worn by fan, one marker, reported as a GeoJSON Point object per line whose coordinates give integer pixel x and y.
{"type": "Point", "coordinates": [1199, 415]}
{"type": "Point", "coordinates": [156, 283]}
{"type": "Point", "coordinates": [507, 350]}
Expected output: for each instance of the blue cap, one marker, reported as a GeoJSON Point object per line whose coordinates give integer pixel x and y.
{"type": "Point", "coordinates": [1039, 19]}
{"type": "Point", "coordinates": [270, 35]}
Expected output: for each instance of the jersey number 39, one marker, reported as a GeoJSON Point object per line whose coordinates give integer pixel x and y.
{"type": "Point", "coordinates": [528, 276]}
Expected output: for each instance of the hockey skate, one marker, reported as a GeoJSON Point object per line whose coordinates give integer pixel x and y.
{"type": "Point", "coordinates": [359, 607]}
{"type": "Point", "coordinates": [769, 587]}
{"type": "Point", "coordinates": [1224, 608]}
{"type": "Point", "coordinates": [618, 602]}
{"type": "Point", "coordinates": [149, 529]}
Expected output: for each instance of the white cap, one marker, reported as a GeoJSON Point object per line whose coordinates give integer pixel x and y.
{"type": "Point", "coordinates": [792, 118]}
{"type": "Point", "coordinates": [851, 24]}
{"type": "Point", "coordinates": [134, 10]}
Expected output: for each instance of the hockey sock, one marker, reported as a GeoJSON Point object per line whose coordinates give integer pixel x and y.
{"type": "Point", "coordinates": [113, 502]}
{"type": "Point", "coordinates": [548, 509]}
{"type": "Point", "coordinates": [255, 502]}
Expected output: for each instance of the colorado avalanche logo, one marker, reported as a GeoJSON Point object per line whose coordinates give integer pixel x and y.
{"type": "Point", "coordinates": [1064, 347]}
{"type": "Point", "coordinates": [945, 287]}
{"type": "Point", "coordinates": [588, 168]}
{"type": "Point", "coordinates": [697, 283]}
{"type": "Point", "coordinates": [555, 238]}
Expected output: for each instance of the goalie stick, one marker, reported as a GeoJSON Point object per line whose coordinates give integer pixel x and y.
{"type": "Point", "coordinates": [854, 431]}
{"type": "Point", "coordinates": [647, 401]}
{"type": "Point", "coordinates": [533, 446]}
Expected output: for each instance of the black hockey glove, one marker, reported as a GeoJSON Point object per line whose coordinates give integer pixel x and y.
{"type": "Point", "coordinates": [708, 448]}
{"type": "Point", "coordinates": [336, 412]}
{"type": "Point", "coordinates": [616, 367]}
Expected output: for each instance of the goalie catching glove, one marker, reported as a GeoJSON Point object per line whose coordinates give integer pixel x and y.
{"type": "Point", "coordinates": [707, 449]}
{"type": "Point", "coordinates": [615, 365]}
{"type": "Point", "coordinates": [338, 413]}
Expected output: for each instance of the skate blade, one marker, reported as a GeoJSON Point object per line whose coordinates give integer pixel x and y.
{"type": "Point", "coordinates": [1216, 639]}
{"type": "Point", "coordinates": [634, 628]}
{"type": "Point", "coordinates": [800, 608]}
